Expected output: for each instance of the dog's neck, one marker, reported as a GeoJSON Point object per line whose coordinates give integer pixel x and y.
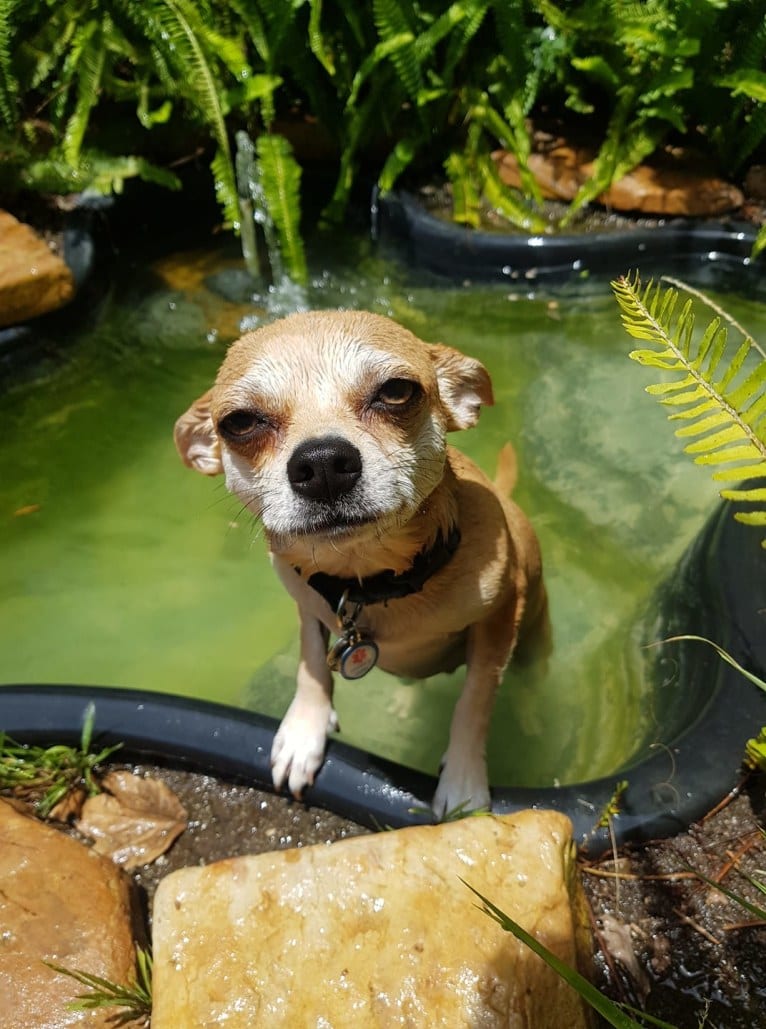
{"type": "Point", "coordinates": [379, 548]}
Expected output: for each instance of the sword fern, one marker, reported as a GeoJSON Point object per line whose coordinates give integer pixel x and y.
{"type": "Point", "coordinates": [717, 391]}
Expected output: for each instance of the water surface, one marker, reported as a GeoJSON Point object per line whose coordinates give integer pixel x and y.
{"type": "Point", "coordinates": [118, 566]}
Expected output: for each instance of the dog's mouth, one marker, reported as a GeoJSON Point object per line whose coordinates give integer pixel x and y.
{"type": "Point", "coordinates": [332, 524]}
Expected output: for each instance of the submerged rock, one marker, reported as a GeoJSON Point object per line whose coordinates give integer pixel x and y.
{"type": "Point", "coordinates": [376, 930]}
{"type": "Point", "coordinates": [33, 280]}
{"type": "Point", "coordinates": [62, 903]}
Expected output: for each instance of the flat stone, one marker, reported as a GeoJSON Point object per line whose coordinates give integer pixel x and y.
{"type": "Point", "coordinates": [375, 931]}
{"type": "Point", "coordinates": [33, 280]}
{"type": "Point", "coordinates": [672, 183]}
{"type": "Point", "coordinates": [63, 903]}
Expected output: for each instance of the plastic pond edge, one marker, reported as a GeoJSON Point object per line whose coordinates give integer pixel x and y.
{"type": "Point", "coordinates": [678, 781]}
{"type": "Point", "coordinates": [461, 253]}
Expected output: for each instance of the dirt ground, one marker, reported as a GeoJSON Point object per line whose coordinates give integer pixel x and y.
{"type": "Point", "coordinates": [666, 942]}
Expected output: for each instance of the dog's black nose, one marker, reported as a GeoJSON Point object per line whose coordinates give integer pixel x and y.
{"type": "Point", "coordinates": [325, 468]}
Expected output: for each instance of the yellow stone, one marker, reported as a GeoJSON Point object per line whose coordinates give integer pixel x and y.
{"type": "Point", "coordinates": [33, 280]}
{"type": "Point", "coordinates": [377, 930]}
{"type": "Point", "coordinates": [60, 902]}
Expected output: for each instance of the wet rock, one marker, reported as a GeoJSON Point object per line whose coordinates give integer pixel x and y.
{"type": "Point", "coordinates": [673, 183]}
{"type": "Point", "coordinates": [62, 903]}
{"type": "Point", "coordinates": [376, 930]}
{"type": "Point", "coordinates": [33, 280]}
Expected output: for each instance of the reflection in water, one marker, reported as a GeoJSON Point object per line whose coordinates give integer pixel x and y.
{"type": "Point", "coordinates": [119, 567]}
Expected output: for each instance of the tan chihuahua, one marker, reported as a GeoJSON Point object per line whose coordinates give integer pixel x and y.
{"type": "Point", "coordinates": [331, 428]}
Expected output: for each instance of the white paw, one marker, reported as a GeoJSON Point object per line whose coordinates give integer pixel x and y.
{"type": "Point", "coordinates": [462, 788]}
{"type": "Point", "coordinates": [298, 749]}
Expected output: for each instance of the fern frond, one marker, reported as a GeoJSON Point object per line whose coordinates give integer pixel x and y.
{"type": "Point", "coordinates": [505, 200]}
{"type": "Point", "coordinates": [726, 424]}
{"type": "Point", "coordinates": [392, 20]}
{"type": "Point", "coordinates": [400, 158]}
{"type": "Point", "coordinates": [280, 177]}
{"type": "Point", "coordinates": [9, 87]}
{"type": "Point", "coordinates": [474, 13]}
{"type": "Point", "coordinates": [90, 68]}
{"type": "Point", "coordinates": [465, 195]}
{"type": "Point", "coordinates": [225, 187]}
{"type": "Point", "coordinates": [316, 39]}
{"type": "Point", "coordinates": [177, 17]}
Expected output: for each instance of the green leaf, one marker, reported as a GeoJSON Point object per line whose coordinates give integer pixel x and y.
{"type": "Point", "coordinates": [385, 49]}
{"type": "Point", "coordinates": [465, 194]}
{"type": "Point", "coordinates": [755, 757]}
{"type": "Point", "coordinates": [506, 201]}
{"type": "Point", "coordinates": [723, 417]}
{"type": "Point", "coordinates": [610, 1011]}
{"type": "Point", "coordinates": [400, 158]}
{"type": "Point", "coordinates": [750, 676]}
{"type": "Point", "coordinates": [280, 176]}
{"type": "Point", "coordinates": [316, 39]}
{"type": "Point", "coordinates": [750, 82]}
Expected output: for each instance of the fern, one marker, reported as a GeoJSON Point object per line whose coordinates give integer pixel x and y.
{"type": "Point", "coordinates": [465, 196]}
{"type": "Point", "coordinates": [505, 201]}
{"type": "Point", "coordinates": [393, 21]}
{"type": "Point", "coordinates": [316, 39]}
{"type": "Point", "coordinates": [9, 87]}
{"type": "Point", "coordinates": [90, 68]}
{"type": "Point", "coordinates": [280, 177]}
{"type": "Point", "coordinates": [205, 89]}
{"type": "Point", "coordinates": [720, 395]}
{"type": "Point", "coordinates": [397, 161]}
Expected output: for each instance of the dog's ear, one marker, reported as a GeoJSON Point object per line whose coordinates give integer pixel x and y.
{"type": "Point", "coordinates": [464, 385]}
{"type": "Point", "coordinates": [196, 440]}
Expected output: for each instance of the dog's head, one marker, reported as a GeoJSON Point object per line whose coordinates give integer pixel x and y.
{"type": "Point", "coordinates": [327, 422]}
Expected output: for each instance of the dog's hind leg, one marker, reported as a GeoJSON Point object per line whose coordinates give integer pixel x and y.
{"type": "Point", "coordinates": [299, 745]}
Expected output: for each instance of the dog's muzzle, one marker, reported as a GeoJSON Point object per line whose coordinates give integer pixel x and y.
{"type": "Point", "coordinates": [324, 469]}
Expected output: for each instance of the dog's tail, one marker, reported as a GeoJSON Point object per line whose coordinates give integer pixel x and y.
{"type": "Point", "coordinates": [507, 471]}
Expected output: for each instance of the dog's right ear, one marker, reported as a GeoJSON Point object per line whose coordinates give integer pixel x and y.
{"type": "Point", "coordinates": [196, 440]}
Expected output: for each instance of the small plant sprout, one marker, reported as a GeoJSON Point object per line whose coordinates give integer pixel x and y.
{"type": "Point", "coordinates": [45, 776]}
{"type": "Point", "coordinates": [755, 752]}
{"type": "Point", "coordinates": [134, 1000]}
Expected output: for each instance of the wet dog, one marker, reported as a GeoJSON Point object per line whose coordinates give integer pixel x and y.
{"type": "Point", "coordinates": [331, 428]}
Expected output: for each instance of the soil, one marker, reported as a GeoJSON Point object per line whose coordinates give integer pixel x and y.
{"type": "Point", "coordinates": [666, 942]}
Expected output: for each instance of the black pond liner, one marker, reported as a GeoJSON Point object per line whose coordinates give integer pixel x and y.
{"type": "Point", "coordinates": [716, 711]}
{"type": "Point", "coordinates": [458, 253]}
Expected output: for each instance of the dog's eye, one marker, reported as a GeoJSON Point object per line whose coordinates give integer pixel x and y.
{"type": "Point", "coordinates": [397, 392]}
{"type": "Point", "coordinates": [241, 424]}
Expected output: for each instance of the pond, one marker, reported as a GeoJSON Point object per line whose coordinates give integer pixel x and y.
{"type": "Point", "coordinates": [119, 567]}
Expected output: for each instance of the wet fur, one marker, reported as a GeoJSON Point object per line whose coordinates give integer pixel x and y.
{"type": "Point", "coordinates": [314, 376]}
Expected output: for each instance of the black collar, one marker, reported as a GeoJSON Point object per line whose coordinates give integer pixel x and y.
{"type": "Point", "coordinates": [388, 585]}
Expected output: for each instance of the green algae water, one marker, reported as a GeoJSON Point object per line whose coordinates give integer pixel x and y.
{"type": "Point", "coordinates": [120, 567]}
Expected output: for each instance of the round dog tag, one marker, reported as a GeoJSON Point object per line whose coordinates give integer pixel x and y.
{"type": "Point", "coordinates": [357, 659]}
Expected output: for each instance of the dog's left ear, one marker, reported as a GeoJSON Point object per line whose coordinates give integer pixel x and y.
{"type": "Point", "coordinates": [196, 440]}
{"type": "Point", "coordinates": [464, 385]}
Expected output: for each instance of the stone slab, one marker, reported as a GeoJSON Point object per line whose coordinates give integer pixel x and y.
{"type": "Point", "coordinates": [33, 280]}
{"type": "Point", "coordinates": [375, 931]}
{"type": "Point", "coordinates": [63, 903]}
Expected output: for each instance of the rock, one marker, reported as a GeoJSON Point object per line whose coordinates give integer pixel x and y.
{"type": "Point", "coordinates": [63, 903]}
{"type": "Point", "coordinates": [672, 183]}
{"type": "Point", "coordinates": [755, 182]}
{"type": "Point", "coordinates": [375, 931]}
{"type": "Point", "coordinates": [33, 280]}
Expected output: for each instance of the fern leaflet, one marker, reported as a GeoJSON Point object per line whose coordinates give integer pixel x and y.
{"type": "Point", "coordinates": [280, 177]}
{"type": "Point", "coordinates": [721, 398]}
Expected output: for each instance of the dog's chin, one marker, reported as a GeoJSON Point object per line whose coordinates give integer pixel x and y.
{"type": "Point", "coordinates": [325, 525]}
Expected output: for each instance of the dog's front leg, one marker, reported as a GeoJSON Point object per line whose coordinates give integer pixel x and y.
{"type": "Point", "coordinates": [299, 744]}
{"type": "Point", "coordinates": [463, 782]}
